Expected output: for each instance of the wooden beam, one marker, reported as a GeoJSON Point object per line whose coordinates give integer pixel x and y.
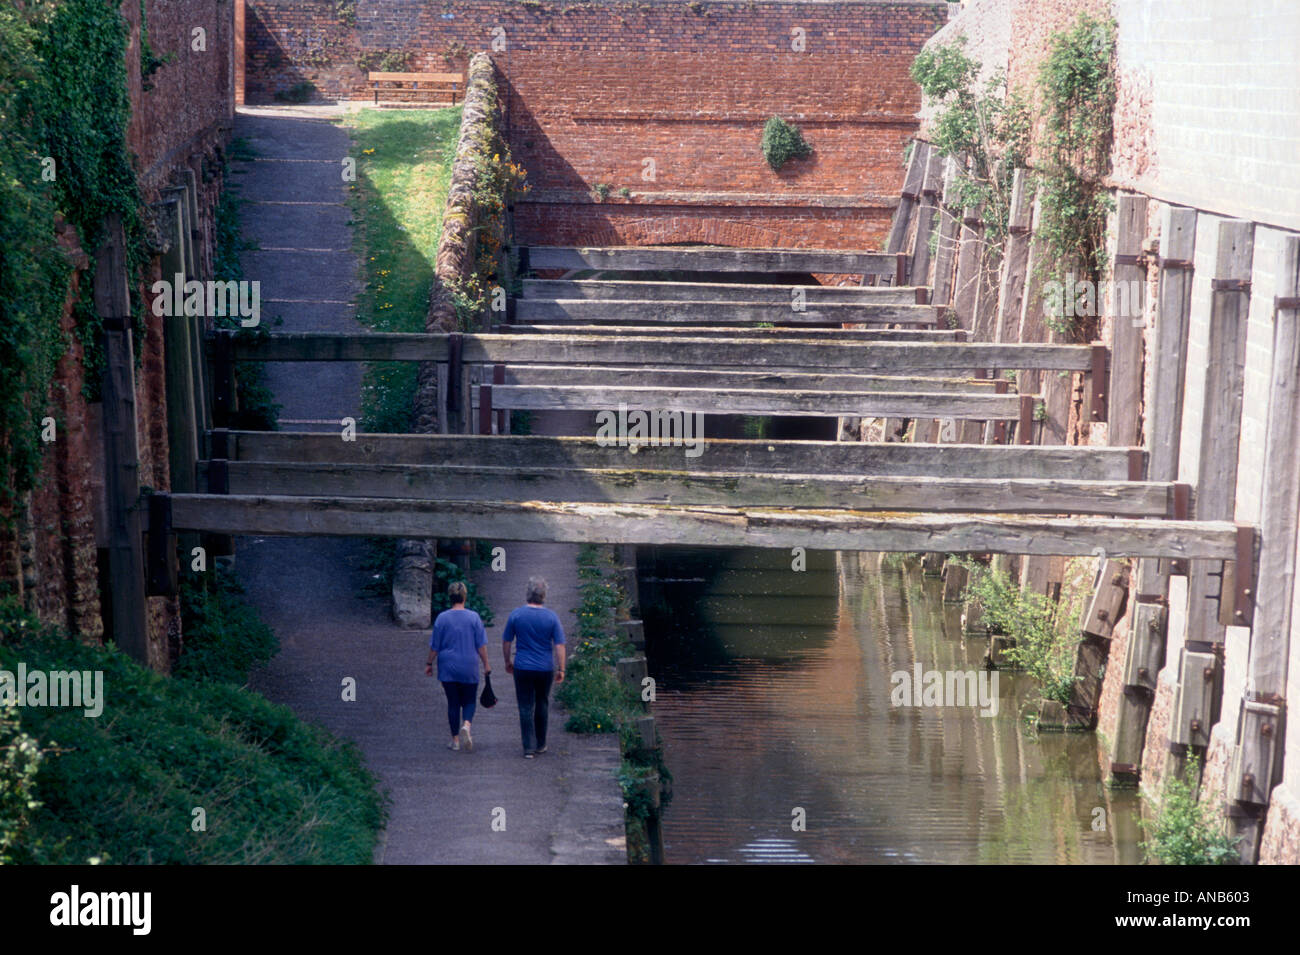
{"type": "Point", "coordinates": [1216, 485]}
{"type": "Point", "coordinates": [129, 621]}
{"type": "Point", "coordinates": [733, 378]}
{"type": "Point", "coordinates": [626, 312]}
{"type": "Point", "coordinates": [806, 333]}
{"type": "Point", "coordinates": [801, 457]}
{"type": "Point", "coordinates": [882, 358]}
{"type": "Point", "coordinates": [710, 259]}
{"type": "Point", "coordinates": [704, 527]}
{"type": "Point", "coordinates": [630, 484]}
{"type": "Point", "coordinates": [757, 401]}
{"type": "Point", "coordinates": [608, 290]}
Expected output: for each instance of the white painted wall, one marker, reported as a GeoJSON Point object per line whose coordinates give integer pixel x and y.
{"type": "Point", "coordinates": [1225, 83]}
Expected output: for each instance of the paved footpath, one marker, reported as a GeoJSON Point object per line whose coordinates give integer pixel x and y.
{"type": "Point", "coordinates": [564, 806]}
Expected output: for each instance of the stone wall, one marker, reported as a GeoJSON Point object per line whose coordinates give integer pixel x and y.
{"type": "Point", "coordinates": [663, 98]}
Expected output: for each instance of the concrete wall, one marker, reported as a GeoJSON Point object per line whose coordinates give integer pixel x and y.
{"type": "Point", "coordinates": [594, 90]}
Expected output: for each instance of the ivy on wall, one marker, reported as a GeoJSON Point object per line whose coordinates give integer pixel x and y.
{"type": "Point", "coordinates": [992, 131]}
{"type": "Point", "coordinates": [1077, 85]}
{"type": "Point", "coordinates": [64, 110]}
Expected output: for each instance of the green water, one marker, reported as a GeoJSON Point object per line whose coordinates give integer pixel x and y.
{"type": "Point", "coordinates": [774, 701]}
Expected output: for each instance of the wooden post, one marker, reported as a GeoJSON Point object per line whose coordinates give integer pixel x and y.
{"type": "Point", "coordinates": [945, 254]}
{"type": "Point", "coordinates": [455, 376]}
{"type": "Point", "coordinates": [183, 424]}
{"type": "Point", "coordinates": [160, 547]}
{"type": "Point", "coordinates": [129, 624]}
{"type": "Point", "coordinates": [1257, 759]}
{"type": "Point", "coordinates": [1127, 310]}
{"type": "Point", "coordinates": [919, 269]}
{"type": "Point", "coordinates": [223, 379]}
{"type": "Point", "coordinates": [911, 194]}
{"type": "Point", "coordinates": [1015, 259]}
{"type": "Point", "coordinates": [1216, 486]}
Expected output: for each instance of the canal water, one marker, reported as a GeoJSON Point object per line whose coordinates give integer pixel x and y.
{"type": "Point", "coordinates": [774, 702]}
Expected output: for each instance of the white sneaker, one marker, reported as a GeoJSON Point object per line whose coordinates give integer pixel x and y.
{"type": "Point", "coordinates": [454, 744]}
{"type": "Point", "coordinates": [466, 740]}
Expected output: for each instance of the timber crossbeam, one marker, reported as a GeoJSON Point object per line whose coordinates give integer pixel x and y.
{"type": "Point", "coordinates": [886, 459]}
{"type": "Point", "coordinates": [882, 358]}
{"type": "Point", "coordinates": [700, 526]}
{"type": "Point", "coordinates": [634, 485]}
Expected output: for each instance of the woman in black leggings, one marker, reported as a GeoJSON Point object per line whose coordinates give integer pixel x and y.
{"type": "Point", "coordinates": [538, 660]}
{"type": "Point", "coordinates": [458, 643]}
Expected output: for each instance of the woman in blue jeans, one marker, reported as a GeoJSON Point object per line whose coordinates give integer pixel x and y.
{"type": "Point", "coordinates": [538, 660]}
{"type": "Point", "coordinates": [458, 643]}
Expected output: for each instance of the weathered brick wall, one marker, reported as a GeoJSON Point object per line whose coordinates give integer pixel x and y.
{"type": "Point", "coordinates": [595, 90]}
{"type": "Point", "coordinates": [190, 105]}
{"type": "Point", "coordinates": [181, 123]}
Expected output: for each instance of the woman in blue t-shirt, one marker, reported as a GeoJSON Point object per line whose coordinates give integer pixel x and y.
{"type": "Point", "coordinates": [458, 643]}
{"type": "Point", "coordinates": [538, 659]}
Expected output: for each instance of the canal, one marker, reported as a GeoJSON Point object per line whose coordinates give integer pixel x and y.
{"type": "Point", "coordinates": [774, 702]}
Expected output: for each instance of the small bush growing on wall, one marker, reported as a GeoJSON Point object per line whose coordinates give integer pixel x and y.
{"type": "Point", "coordinates": [1184, 831]}
{"type": "Point", "coordinates": [782, 142]}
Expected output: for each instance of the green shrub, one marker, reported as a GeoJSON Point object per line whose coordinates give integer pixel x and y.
{"type": "Point", "coordinates": [985, 123]}
{"type": "Point", "coordinates": [20, 758]}
{"type": "Point", "coordinates": [783, 142]}
{"type": "Point", "coordinates": [1044, 630]}
{"type": "Point", "coordinates": [224, 635]}
{"type": "Point", "coordinates": [1184, 831]}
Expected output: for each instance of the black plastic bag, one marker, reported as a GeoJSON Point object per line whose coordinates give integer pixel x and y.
{"type": "Point", "coordinates": [487, 699]}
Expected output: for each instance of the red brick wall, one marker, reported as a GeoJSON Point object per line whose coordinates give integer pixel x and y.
{"type": "Point", "coordinates": [182, 122]}
{"type": "Point", "coordinates": [593, 90]}
{"type": "Point", "coordinates": [191, 104]}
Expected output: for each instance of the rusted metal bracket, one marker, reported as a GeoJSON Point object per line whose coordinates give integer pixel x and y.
{"type": "Point", "coordinates": [922, 295]}
{"type": "Point", "coordinates": [499, 378]}
{"type": "Point", "coordinates": [1100, 381]}
{"type": "Point", "coordinates": [484, 409]}
{"type": "Point", "coordinates": [1137, 464]}
{"type": "Point", "coordinates": [1230, 285]}
{"type": "Point", "coordinates": [1126, 258]}
{"type": "Point", "coordinates": [1237, 594]}
{"type": "Point", "coordinates": [1182, 507]}
{"type": "Point", "coordinates": [1285, 301]}
{"type": "Point", "coordinates": [900, 269]}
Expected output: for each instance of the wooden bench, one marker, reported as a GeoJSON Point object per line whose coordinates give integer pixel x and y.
{"type": "Point", "coordinates": [434, 87]}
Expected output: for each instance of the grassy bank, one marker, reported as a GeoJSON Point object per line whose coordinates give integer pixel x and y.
{"type": "Point", "coordinates": [175, 769]}
{"type": "Point", "coordinates": [404, 160]}
{"type": "Point", "coordinates": [595, 699]}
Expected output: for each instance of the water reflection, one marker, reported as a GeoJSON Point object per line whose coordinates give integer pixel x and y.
{"type": "Point", "coordinates": [774, 702]}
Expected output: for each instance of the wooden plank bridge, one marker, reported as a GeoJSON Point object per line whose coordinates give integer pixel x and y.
{"type": "Point", "coordinates": [682, 348]}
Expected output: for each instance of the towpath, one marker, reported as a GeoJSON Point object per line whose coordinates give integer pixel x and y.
{"type": "Point", "coordinates": [562, 807]}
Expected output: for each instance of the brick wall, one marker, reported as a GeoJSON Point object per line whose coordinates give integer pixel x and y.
{"type": "Point", "coordinates": [181, 123]}
{"type": "Point", "coordinates": [595, 91]}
